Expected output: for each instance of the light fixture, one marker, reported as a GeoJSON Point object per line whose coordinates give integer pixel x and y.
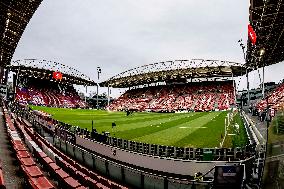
{"type": "Point", "coordinates": [262, 51]}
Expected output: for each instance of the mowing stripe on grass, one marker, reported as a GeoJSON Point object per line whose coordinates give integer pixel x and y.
{"type": "Point", "coordinates": [212, 134]}
{"type": "Point", "coordinates": [118, 120]}
{"type": "Point", "coordinates": [134, 118]}
{"type": "Point", "coordinates": [141, 132]}
{"type": "Point", "coordinates": [127, 126]}
{"type": "Point", "coordinates": [142, 124]}
{"type": "Point", "coordinates": [173, 134]}
{"type": "Point", "coordinates": [99, 116]}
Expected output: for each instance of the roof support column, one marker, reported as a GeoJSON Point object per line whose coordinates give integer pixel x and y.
{"type": "Point", "coordinates": [248, 95]}
{"type": "Point", "coordinates": [16, 82]}
{"type": "Point", "coordinates": [86, 94]}
{"type": "Point", "coordinates": [108, 97]}
{"type": "Point", "coordinates": [234, 88]}
{"type": "Point", "coordinates": [2, 74]}
{"type": "Point", "coordinates": [5, 80]}
{"type": "Point", "coordinates": [263, 94]}
{"type": "Point", "coordinates": [99, 71]}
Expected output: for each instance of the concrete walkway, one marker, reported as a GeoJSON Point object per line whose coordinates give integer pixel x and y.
{"type": "Point", "coordinates": [10, 170]}
{"type": "Point", "coordinates": [260, 125]}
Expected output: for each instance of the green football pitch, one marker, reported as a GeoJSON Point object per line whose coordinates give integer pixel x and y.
{"type": "Point", "coordinates": [194, 129]}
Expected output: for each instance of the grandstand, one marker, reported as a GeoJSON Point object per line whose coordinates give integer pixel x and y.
{"type": "Point", "coordinates": [275, 99]}
{"type": "Point", "coordinates": [178, 93]}
{"type": "Point", "coordinates": [45, 93]}
{"type": "Point", "coordinates": [204, 96]}
{"type": "Point", "coordinates": [44, 89]}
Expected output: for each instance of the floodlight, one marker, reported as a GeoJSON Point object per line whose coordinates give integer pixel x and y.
{"type": "Point", "coordinates": [262, 51]}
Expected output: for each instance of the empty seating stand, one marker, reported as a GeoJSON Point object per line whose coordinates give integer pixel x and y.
{"type": "Point", "coordinates": [33, 174]}
{"type": "Point", "coordinates": [57, 173]}
{"type": "Point", "coordinates": [67, 172]}
{"type": "Point", "coordinates": [49, 94]}
{"type": "Point", "coordinates": [193, 96]}
{"type": "Point", "coordinates": [275, 99]}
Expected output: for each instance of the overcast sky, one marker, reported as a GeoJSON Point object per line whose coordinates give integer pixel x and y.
{"type": "Point", "coordinates": [120, 35]}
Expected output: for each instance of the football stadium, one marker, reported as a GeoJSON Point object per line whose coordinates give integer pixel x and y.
{"type": "Point", "coordinates": [177, 124]}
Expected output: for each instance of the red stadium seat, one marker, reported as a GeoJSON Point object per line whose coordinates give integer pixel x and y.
{"type": "Point", "coordinates": [42, 155]}
{"type": "Point", "coordinates": [20, 147]}
{"type": "Point", "coordinates": [48, 160]}
{"type": "Point", "coordinates": [62, 174]}
{"type": "Point", "coordinates": [41, 183]}
{"type": "Point", "coordinates": [81, 187]}
{"type": "Point", "coordinates": [32, 171]}
{"type": "Point", "coordinates": [2, 182]}
{"type": "Point", "coordinates": [72, 182]}
{"type": "Point", "coordinates": [54, 167]}
{"type": "Point", "coordinates": [101, 186]}
{"type": "Point", "coordinates": [27, 162]}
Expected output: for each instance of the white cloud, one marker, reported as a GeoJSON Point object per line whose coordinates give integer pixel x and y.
{"type": "Point", "coordinates": [119, 35]}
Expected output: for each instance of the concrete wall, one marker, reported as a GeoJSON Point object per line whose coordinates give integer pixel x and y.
{"type": "Point", "coordinates": [132, 177]}
{"type": "Point", "coordinates": [183, 167]}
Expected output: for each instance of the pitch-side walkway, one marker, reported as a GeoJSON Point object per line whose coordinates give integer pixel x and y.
{"type": "Point", "coordinates": [10, 170]}
{"type": "Point", "coordinates": [261, 126]}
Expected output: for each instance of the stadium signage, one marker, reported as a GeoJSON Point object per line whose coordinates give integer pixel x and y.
{"type": "Point", "coordinates": [251, 34]}
{"type": "Point", "coordinates": [57, 75]}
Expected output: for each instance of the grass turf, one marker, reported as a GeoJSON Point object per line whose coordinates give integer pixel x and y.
{"type": "Point", "coordinates": [195, 129]}
{"type": "Point", "coordinates": [240, 138]}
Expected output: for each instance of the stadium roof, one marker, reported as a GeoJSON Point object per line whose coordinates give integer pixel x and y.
{"type": "Point", "coordinates": [267, 18]}
{"type": "Point", "coordinates": [177, 70]}
{"type": "Point", "coordinates": [43, 69]}
{"type": "Point", "coordinates": [14, 17]}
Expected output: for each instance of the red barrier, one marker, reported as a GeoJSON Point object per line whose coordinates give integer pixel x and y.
{"type": "Point", "coordinates": [34, 175]}
{"type": "Point", "coordinates": [2, 183]}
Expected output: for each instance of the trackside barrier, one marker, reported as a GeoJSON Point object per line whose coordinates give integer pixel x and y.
{"type": "Point", "coordinates": [251, 135]}
{"type": "Point", "coordinates": [131, 176]}
{"type": "Point", "coordinates": [181, 153]}
{"type": "Point", "coordinates": [168, 165]}
{"type": "Point", "coordinates": [260, 141]}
